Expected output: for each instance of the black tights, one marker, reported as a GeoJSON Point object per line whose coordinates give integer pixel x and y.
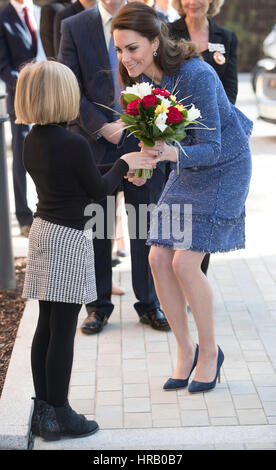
{"type": "Point", "coordinates": [52, 350]}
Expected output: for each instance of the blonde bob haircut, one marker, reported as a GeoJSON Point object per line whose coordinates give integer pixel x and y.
{"type": "Point", "coordinates": [46, 92]}
{"type": "Point", "coordinates": [214, 7]}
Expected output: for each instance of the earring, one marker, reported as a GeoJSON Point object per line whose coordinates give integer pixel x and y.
{"type": "Point", "coordinates": [155, 53]}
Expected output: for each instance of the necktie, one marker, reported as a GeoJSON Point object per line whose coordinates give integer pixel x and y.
{"type": "Point", "coordinates": [114, 66]}
{"type": "Point", "coordinates": [30, 27]}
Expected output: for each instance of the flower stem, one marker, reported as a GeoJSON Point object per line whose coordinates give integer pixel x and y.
{"type": "Point", "coordinates": [147, 174]}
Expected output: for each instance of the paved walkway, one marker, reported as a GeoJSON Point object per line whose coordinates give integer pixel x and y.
{"type": "Point", "coordinates": [118, 375]}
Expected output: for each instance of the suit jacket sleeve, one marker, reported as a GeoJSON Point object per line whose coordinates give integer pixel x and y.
{"type": "Point", "coordinates": [7, 72]}
{"type": "Point", "coordinates": [206, 143]}
{"type": "Point", "coordinates": [57, 34]}
{"type": "Point", "coordinates": [91, 118]}
{"type": "Point", "coordinates": [46, 29]}
{"type": "Point", "coordinates": [230, 77]}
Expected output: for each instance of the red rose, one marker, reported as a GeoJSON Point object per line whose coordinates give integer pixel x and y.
{"type": "Point", "coordinates": [161, 92]}
{"type": "Point", "coordinates": [174, 116]}
{"type": "Point", "coordinates": [149, 100]}
{"type": "Point", "coordinates": [132, 107]}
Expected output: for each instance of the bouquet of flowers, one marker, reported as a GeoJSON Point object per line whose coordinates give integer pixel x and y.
{"type": "Point", "coordinates": [154, 114]}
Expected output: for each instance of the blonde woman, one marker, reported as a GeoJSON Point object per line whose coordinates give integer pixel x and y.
{"type": "Point", "coordinates": [60, 269]}
{"type": "Point", "coordinates": [217, 45]}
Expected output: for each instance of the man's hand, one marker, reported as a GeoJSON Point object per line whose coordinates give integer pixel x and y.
{"type": "Point", "coordinates": [112, 131]}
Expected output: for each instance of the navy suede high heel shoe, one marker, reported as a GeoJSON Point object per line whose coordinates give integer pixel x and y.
{"type": "Point", "coordinates": [196, 387]}
{"type": "Point", "coordinates": [176, 384]}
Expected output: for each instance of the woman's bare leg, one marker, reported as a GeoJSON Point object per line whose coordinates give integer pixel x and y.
{"type": "Point", "coordinates": [173, 302]}
{"type": "Point", "coordinates": [196, 287]}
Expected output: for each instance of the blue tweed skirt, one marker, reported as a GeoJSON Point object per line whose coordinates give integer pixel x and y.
{"type": "Point", "coordinates": [203, 208]}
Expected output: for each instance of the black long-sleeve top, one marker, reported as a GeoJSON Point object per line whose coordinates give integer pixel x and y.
{"type": "Point", "coordinates": [66, 177]}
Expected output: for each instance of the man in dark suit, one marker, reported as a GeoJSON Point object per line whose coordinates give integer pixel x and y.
{"type": "Point", "coordinates": [19, 43]}
{"type": "Point", "coordinates": [71, 10]}
{"type": "Point", "coordinates": [86, 47]}
{"type": "Point", "coordinates": [48, 13]}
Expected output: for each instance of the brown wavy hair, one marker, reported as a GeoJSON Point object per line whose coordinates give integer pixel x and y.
{"type": "Point", "coordinates": [144, 20]}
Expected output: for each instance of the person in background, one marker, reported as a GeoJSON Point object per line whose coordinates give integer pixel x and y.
{"type": "Point", "coordinates": [119, 240]}
{"type": "Point", "coordinates": [87, 48]}
{"type": "Point", "coordinates": [60, 270]}
{"type": "Point", "coordinates": [71, 10]}
{"type": "Point", "coordinates": [48, 13]}
{"type": "Point", "coordinates": [121, 232]}
{"type": "Point", "coordinates": [19, 43]}
{"type": "Point", "coordinates": [217, 45]}
{"type": "Point", "coordinates": [165, 10]}
{"type": "Point", "coordinates": [121, 235]}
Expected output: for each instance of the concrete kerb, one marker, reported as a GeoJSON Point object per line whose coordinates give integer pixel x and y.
{"type": "Point", "coordinates": [15, 403]}
{"type": "Point", "coordinates": [183, 438]}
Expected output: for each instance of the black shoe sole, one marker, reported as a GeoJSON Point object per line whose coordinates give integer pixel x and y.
{"type": "Point", "coordinates": [174, 389]}
{"type": "Point", "coordinates": [92, 331]}
{"type": "Point", "coordinates": [47, 436]}
{"type": "Point", "coordinates": [160, 328]}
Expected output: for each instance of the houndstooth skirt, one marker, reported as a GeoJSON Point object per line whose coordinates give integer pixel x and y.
{"type": "Point", "coordinates": [60, 265]}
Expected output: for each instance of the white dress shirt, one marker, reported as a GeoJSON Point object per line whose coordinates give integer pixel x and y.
{"type": "Point", "coordinates": [19, 10]}
{"type": "Point", "coordinates": [106, 21]}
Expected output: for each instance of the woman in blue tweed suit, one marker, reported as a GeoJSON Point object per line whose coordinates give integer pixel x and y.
{"type": "Point", "coordinates": [206, 196]}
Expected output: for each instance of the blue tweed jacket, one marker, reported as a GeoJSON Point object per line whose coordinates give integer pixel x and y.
{"type": "Point", "coordinates": [215, 166]}
{"type": "Point", "coordinates": [228, 129]}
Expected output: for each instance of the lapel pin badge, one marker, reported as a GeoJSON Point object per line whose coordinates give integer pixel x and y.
{"type": "Point", "coordinates": [219, 58]}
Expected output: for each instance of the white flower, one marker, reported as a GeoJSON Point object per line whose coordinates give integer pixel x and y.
{"type": "Point", "coordinates": [160, 121]}
{"type": "Point", "coordinates": [193, 113]}
{"type": "Point", "coordinates": [164, 100]}
{"type": "Point", "coordinates": [139, 89]}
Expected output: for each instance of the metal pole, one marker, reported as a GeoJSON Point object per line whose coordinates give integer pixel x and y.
{"type": "Point", "coordinates": [7, 274]}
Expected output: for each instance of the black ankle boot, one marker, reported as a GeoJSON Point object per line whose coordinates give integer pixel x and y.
{"type": "Point", "coordinates": [39, 407]}
{"type": "Point", "coordinates": [63, 421]}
